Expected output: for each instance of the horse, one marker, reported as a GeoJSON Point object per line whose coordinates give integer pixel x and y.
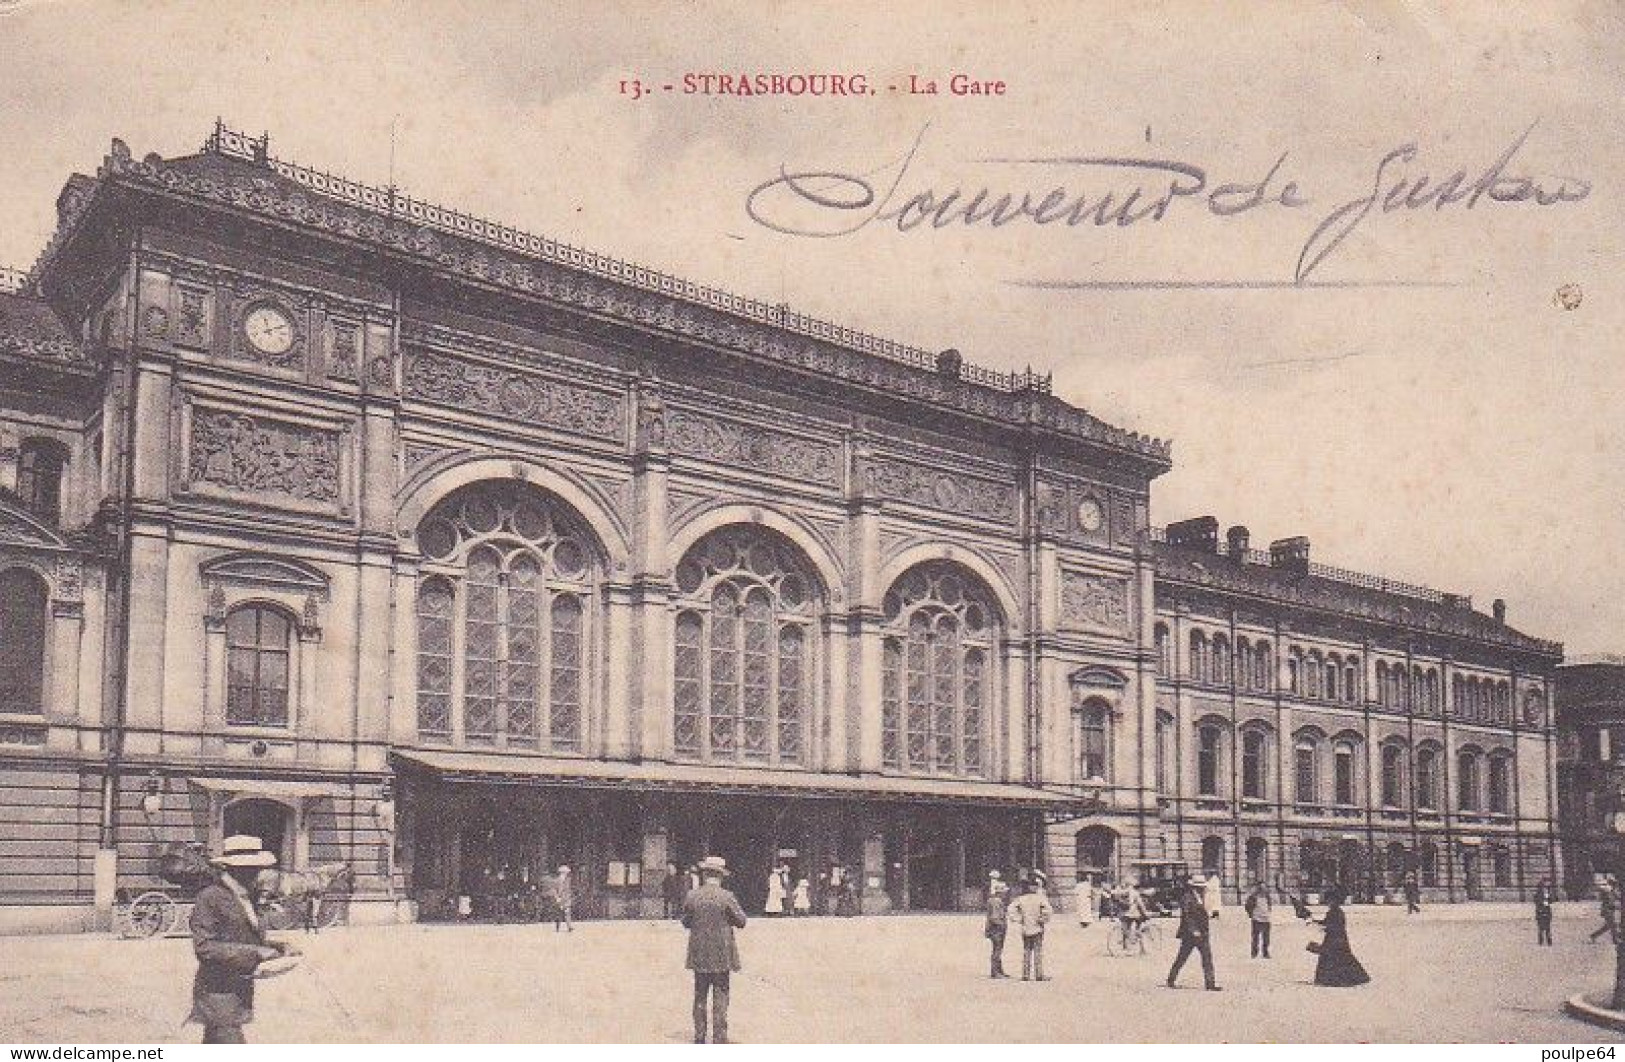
{"type": "Point", "coordinates": [306, 888]}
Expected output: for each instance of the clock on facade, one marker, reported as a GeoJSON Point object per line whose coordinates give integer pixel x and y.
{"type": "Point", "coordinates": [268, 330]}
{"type": "Point", "coordinates": [1091, 517]}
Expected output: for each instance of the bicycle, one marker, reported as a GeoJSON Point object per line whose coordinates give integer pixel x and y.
{"type": "Point", "coordinates": [1133, 938]}
{"type": "Point", "coordinates": [149, 913]}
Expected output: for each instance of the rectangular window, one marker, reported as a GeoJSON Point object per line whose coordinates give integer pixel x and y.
{"type": "Point", "coordinates": [1500, 786]}
{"type": "Point", "coordinates": [1304, 762]}
{"type": "Point", "coordinates": [1207, 762]}
{"type": "Point", "coordinates": [1393, 783]}
{"type": "Point", "coordinates": [1252, 765]}
{"type": "Point", "coordinates": [1343, 776]}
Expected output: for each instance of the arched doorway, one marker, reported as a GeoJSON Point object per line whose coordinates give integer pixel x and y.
{"type": "Point", "coordinates": [1096, 850]}
{"type": "Point", "coordinates": [268, 820]}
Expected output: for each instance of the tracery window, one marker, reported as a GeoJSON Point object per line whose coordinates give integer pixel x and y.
{"type": "Point", "coordinates": [258, 652]}
{"type": "Point", "coordinates": [23, 599]}
{"type": "Point", "coordinates": [503, 615]}
{"type": "Point", "coordinates": [743, 649]}
{"type": "Point", "coordinates": [938, 685]}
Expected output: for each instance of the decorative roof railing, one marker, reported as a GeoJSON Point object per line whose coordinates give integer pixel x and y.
{"type": "Point", "coordinates": [392, 202]}
{"type": "Point", "coordinates": [1265, 559]}
{"type": "Point", "coordinates": [12, 281]}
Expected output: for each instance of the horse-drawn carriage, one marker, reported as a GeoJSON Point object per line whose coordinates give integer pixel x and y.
{"type": "Point", "coordinates": [318, 898]}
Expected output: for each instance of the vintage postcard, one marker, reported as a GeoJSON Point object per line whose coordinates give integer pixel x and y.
{"type": "Point", "coordinates": [840, 522]}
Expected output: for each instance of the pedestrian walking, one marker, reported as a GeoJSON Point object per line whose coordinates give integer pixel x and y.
{"type": "Point", "coordinates": [711, 914]}
{"type": "Point", "coordinates": [1083, 898]}
{"type": "Point", "coordinates": [563, 901]}
{"type": "Point", "coordinates": [1337, 968]}
{"type": "Point", "coordinates": [229, 941]}
{"type": "Point", "coordinates": [1030, 913]}
{"type": "Point", "coordinates": [1194, 935]}
{"type": "Point", "coordinates": [1259, 910]}
{"type": "Point", "coordinates": [801, 899]}
{"type": "Point", "coordinates": [1544, 897]}
{"type": "Point", "coordinates": [775, 892]}
{"type": "Point", "coordinates": [995, 927]}
{"type": "Point", "coordinates": [1413, 895]}
{"type": "Point", "coordinates": [1608, 908]}
{"type": "Point", "coordinates": [672, 891]}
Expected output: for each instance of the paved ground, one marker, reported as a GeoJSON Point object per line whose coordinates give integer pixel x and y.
{"type": "Point", "coordinates": [1441, 976]}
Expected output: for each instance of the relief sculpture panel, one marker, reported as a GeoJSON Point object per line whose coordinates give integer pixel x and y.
{"type": "Point", "coordinates": [1094, 602]}
{"type": "Point", "coordinates": [520, 396]}
{"type": "Point", "coordinates": [948, 491]}
{"type": "Point", "coordinates": [257, 455]}
{"type": "Point", "coordinates": [747, 446]}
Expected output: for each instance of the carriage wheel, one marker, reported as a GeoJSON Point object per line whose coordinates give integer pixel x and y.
{"type": "Point", "coordinates": [152, 914]}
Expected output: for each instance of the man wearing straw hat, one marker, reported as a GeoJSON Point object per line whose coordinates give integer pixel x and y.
{"type": "Point", "coordinates": [229, 941]}
{"type": "Point", "coordinates": [711, 914]}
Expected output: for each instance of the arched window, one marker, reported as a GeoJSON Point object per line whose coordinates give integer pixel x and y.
{"type": "Point", "coordinates": [1467, 780]}
{"type": "Point", "coordinates": [1427, 778]}
{"type": "Point", "coordinates": [1344, 780]}
{"type": "Point", "coordinates": [258, 651]}
{"type": "Point", "coordinates": [1382, 683]}
{"type": "Point", "coordinates": [1294, 670]}
{"type": "Point", "coordinates": [1244, 664]}
{"type": "Point", "coordinates": [1334, 678]}
{"type": "Point", "coordinates": [23, 598]}
{"type": "Point", "coordinates": [1534, 708]}
{"type": "Point", "coordinates": [1306, 767]}
{"type": "Point", "coordinates": [939, 683]}
{"type": "Point", "coordinates": [1393, 775]}
{"type": "Point", "coordinates": [1209, 749]}
{"type": "Point", "coordinates": [742, 648]}
{"type": "Point", "coordinates": [1090, 721]}
{"type": "Point", "coordinates": [1213, 856]}
{"type": "Point", "coordinates": [1351, 681]}
{"type": "Point", "coordinates": [1165, 655]}
{"type": "Point", "coordinates": [1501, 784]}
{"type": "Point", "coordinates": [40, 463]}
{"type": "Point", "coordinates": [1457, 699]}
{"type": "Point", "coordinates": [1431, 701]}
{"type": "Point", "coordinates": [1265, 661]}
{"type": "Point", "coordinates": [1254, 764]}
{"type": "Point", "coordinates": [1315, 674]}
{"type": "Point", "coordinates": [1258, 860]}
{"type": "Point", "coordinates": [1430, 863]}
{"type": "Point", "coordinates": [1219, 663]}
{"type": "Point", "coordinates": [1199, 660]}
{"type": "Point", "coordinates": [1311, 864]}
{"type": "Point", "coordinates": [503, 615]}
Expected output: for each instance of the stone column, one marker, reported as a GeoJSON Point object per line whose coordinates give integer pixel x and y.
{"type": "Point", "coordinates": [650, 690]}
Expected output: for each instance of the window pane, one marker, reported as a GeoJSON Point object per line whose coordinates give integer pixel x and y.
{"type": "Point", "coordinates": [791, 665]}
{"type": "Point", "coordinates": [891, 705]}
{"type": "Point", "coordinates": [564, 709]}
{"type": "Point", "coordinates": [687, 697]}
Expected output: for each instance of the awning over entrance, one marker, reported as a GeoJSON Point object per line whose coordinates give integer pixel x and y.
{"type": "Point", "coordinates": [456, 765]}
{"type": "Point", "coordinates": [271, 787]}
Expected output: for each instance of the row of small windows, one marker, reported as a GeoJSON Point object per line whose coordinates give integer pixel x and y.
{"type": "Point", "coordinates": [1333, 677]}
{"type": "Point", "coordinates": [504, 625]}
{"type": "Point", "coordinates": [1322, 863]}
{"type": "Point", "coordinates": [1483, 781]}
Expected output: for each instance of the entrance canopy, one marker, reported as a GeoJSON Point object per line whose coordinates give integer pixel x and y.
{"type": "Point", "coordinates": [456, 765]}
{"type": "Point", "coordinates": [270, 787]}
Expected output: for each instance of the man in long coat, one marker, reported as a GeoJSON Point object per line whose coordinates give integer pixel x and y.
{"type": "Point", "coordinates": [711, 914]}
{"type": "Point", "coordinates": [230, 942]}
{"type": "Point", "coordinates": [1194, 935]}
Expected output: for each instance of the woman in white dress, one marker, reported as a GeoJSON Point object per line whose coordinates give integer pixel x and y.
{"type": "Point", "coordinates": [775, 892]}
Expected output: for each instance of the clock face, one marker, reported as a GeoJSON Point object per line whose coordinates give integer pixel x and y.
{"type": "Point", "coordinates": [269, 330]}
{"type": "Point", "coordinates": [1091, 517]}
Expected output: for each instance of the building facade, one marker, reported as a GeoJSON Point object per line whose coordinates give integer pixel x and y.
{"type": "Point", "coordinates": [404, 539]}
{"type": "Point", "coordinates": [1591, 769]}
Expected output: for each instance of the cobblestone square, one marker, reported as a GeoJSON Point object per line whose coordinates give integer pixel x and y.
{"type": "Point", "coordinates": [1446, 975]}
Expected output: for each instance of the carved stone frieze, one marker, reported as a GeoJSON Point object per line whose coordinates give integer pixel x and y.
{"type": "Point", "coordinates": [258, 455]}
{"type": "Point", "coordinates": [192, 317]}
{"type": "Point", "coordinates": [417, 453]}
{"type": "Point", "coordinates": [521, 396]}
{"type": "Point", "coordinates": [751, 447]}
{"type": "Point", "coordinates": [940, 489]}
{"type": "Point", "coordinates": [70, 579]}
{"type": "Point", "coordinates": [1099, 602]}
{"type": "Point", "coordinates": [344, 354]}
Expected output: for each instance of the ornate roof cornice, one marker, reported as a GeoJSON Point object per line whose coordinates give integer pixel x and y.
{"type": "Point", "coordinates": [237, 172]}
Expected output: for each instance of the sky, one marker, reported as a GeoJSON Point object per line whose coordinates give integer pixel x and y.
{"type": "Point", "coordinates": [1424, 406]}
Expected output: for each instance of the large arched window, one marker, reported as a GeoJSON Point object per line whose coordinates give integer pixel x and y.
{"type": "Point", "coordinates": [1254, 763]}
{"type": "Point", "coordinates": [1164, 754]}
{"type": "Point", "coordinates": [941, 628]}
{"type": "Point", "coordinates": [258, 652]}
{"type": "Point", "coordinates": [1393, 775]}
{"type": "Point", "coordinates": [22, 641]}
{"type": "Point", "coordinates": [1500, 783]}
{"type": "Point", "coordinates": [503, 615]}
{"type": "Point", "coordinates": [1306, 768]}
{"type": "Point", "coordinates": [1467, 780]}
{"type": "Point", "coordinates": [40, 464]}
{"type": "Point", "coordinates": [1165, 654]}
{"type": "Point", "coordinates": [744, 648]}
{"type": "Point", "coordinates": [1427, 778]}
{"type": "Point", "coordinates": [1345, 772]}
{"type": "Point", "coordinates": [1209, 754]}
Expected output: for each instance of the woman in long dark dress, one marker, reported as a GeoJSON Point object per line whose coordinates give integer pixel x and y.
{"type": "Point", "coordinates": [1338, 968]}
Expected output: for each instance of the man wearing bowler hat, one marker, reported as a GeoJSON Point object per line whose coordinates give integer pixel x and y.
{"type": "Point", "coordinates": [711, 914]}
{"type": "Point", "coordinates": [230, 942]}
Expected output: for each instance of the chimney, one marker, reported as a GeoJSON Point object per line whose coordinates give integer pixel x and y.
{"type": "Point", "coordinates": [1236, 540]}
{"type": "Point", "coordinates": [950, 363]}
{"type": "Point", "coordinates": [1201, 532]}
{"type": "Point", "coordinates": [1499, 608]}
{"type": "Point", "coordinates": [1290, 554]}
